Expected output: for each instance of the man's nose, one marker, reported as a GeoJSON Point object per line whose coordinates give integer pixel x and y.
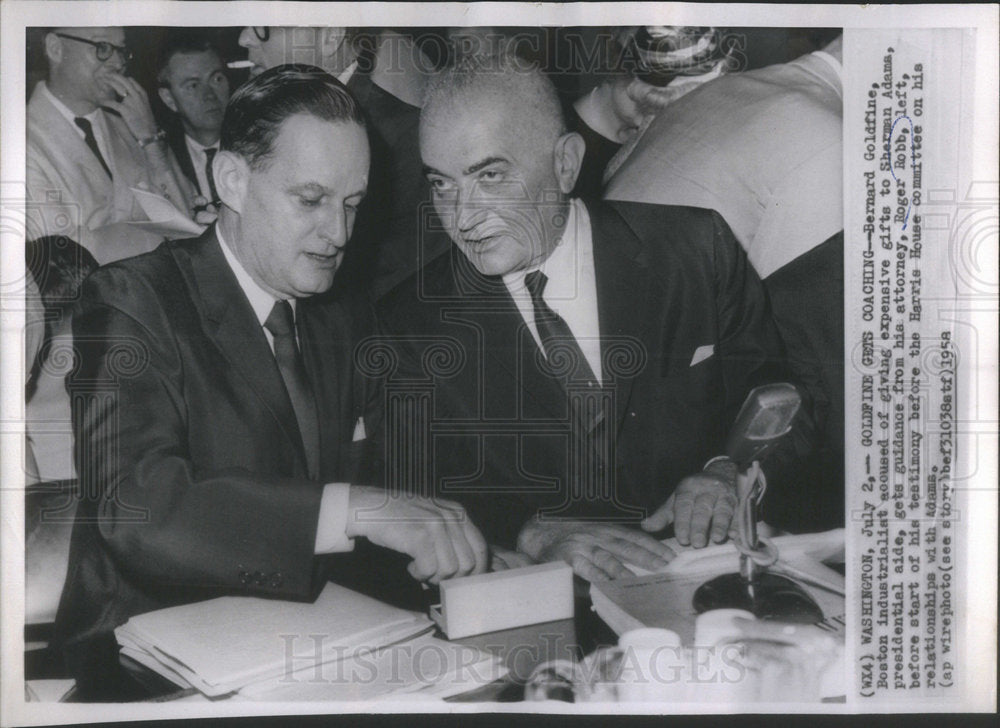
{"type": "Point", "coordinates": [247, 38]}
{"type": "Point", "coordinates": [468, 213]}
{"type": "Point", "coordinates": [334, 226]}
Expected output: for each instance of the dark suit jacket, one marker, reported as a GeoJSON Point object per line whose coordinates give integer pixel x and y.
{"type": "Point", "coordinates": [193, 476]}
{"type": "Point", "coordinates": [175, 138]}
{"type": "Point", "coordinates": [495, 431]}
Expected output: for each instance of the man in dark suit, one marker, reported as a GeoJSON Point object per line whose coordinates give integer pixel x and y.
{"type": "Point", "coordinates": [573, 369]}
{"type": "Point", "coordinates": [219, 419]}
{"type": "Point", "coordinates": [194, 86]}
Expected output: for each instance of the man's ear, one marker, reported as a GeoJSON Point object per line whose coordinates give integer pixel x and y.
{"type": "Point", "coordinates": [232, 177]}
{"type": "Point", "coordinates": [53, 48]}
{"type": "Point", "coordinates": [567, 159]}
{"type": "Point", "coordinates": [168, 98]}
{"type": "Point", "coordinates": [330, 41]}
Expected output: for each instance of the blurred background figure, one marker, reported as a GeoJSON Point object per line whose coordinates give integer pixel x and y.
{"type": "Point", "coordinates": [764, 149]}
{"type": "Point", "coordinates": [57, 267]}
{"type": "Point", "coordinates": [194, 86]}
{"type": "Point", "coordinates": [91, 139]}
{"type": "Point", "coordinates": [386, 72]}
{"type": "Point", "coordinates": [656, 66]}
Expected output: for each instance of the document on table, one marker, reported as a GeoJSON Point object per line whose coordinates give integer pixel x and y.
{"type": "Point", "coordinates": [222, 645]}
{"type": "Point", "coordinates": [664, 599]}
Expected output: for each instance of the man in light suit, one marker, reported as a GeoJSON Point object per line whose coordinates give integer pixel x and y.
{"type": "Point", "coordinates": [581, 363]}
{"type": "Point", "coordinates": [91, 138]}
{"type": "Point", "coordinates": [386, 72]}
{"type": "Point", "coordinates": [219, 419]}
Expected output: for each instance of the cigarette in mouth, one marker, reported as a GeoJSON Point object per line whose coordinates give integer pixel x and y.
{"type": "Point", "coordinates": [240, 64]}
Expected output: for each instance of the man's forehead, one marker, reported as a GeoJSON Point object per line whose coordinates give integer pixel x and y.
{"type": "Point", "coordinates": [112, 34]}
{"type": "Point", "coordinates": [195, 60]}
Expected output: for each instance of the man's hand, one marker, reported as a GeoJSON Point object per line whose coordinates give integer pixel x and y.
{"type": "Point", "coordinates": [502, 559]}
{"type": "Point", "coordinates": [438, 534]}
{"type": "Point", "coordinates": [706, 500]}
{"type": "Point", "coordinates": [133, 106]}
{"type": "Point", "coordinates": [205, 213]}
{"type": "Point", "coordinates": [596, 552]}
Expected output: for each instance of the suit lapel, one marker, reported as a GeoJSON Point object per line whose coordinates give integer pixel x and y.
{"type": "Point", "coordinates": [230, 322]}
{"type": "Point", "coordinates": [629, 299]}
{"type": "Point", "coordinates": [508, 346]}
{"type": "Point", "coordinates": [179, 145]}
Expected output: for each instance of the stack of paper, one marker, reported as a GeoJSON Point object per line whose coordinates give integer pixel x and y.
{"type": "Point", "coordinates": [224, 645]}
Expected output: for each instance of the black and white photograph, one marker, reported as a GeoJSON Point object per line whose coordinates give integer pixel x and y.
{"type": "Point", "coordinates": [629, 358]}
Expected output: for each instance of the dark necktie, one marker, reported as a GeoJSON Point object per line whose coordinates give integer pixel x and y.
{"type": "Point", "coordinates": [590, 451]}
{"type": "Point", "coordinates": [91, 140]}
{"type": "Point", "coordinates": [558, 341]}
{"type": "Point", "coordinates": [209, 156]}
{"type": "Point", "coordinates": [281, 324]}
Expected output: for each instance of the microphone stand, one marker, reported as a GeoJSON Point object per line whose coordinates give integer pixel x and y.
{"type": "Point", "coordinates": [754, 588]}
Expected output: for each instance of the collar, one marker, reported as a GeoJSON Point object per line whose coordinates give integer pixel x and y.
{"type": "Point", "coordinates": [562, 261]}
{"type": "Point", "coordinates": [197, 146]}
{"type": "Point", "coordinates": [260, 300]}
{"type": "Point", "coordinates": [65, 110]}
{"type": "Point", "coordinates": [346, 74]}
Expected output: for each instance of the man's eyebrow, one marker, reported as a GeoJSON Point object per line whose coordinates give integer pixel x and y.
{"type": "Point", "coordinates": [317, 188]}
{"type": "Point", "coordinates": [483, 164]}
{"type": "Point", "coordinates": [472, 169]}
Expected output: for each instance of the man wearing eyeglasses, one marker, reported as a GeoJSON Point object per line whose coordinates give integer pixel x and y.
{"type": "Point", "coordinates": [91, 139]}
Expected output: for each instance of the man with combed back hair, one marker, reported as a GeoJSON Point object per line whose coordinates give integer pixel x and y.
{"type": "Point", "coordinates": [596, 353]}
{"type": "Point", "coordinates": [220, 424]}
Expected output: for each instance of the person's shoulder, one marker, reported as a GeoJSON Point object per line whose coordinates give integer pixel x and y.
{"type": "Point", "coordinates": [676, 236]}
{"type": "Point", "coordinates": [421, 291]}
{"type": "Point", "coordinates": [651, 219]}
{"type": "Point", "coordinates": [142, 280]}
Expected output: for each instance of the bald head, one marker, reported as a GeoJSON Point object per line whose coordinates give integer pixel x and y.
{"type": "Point", "coordinates": [499, 85]}
{"type": "Point", "coordinates": [499, 161]}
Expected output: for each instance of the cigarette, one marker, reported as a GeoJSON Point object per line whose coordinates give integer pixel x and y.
{"type": "Point", "coordinates": [240, 64]}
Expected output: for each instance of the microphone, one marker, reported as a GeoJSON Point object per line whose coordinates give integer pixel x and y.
{"type": "Point", "coordinates": [765, 417]}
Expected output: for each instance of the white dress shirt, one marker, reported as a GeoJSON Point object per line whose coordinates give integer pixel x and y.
{"type": "Point", "coordinates": [331, 533]}
{"type": "Point", "coordinates": [95, 117]}
{"type": "Point", "coordinates": [571, 290]}
{"type": "Point", "coordinates": [198, 159]}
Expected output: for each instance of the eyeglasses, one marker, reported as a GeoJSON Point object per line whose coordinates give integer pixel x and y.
{"type": "Point", "coordinates": [102, 48]}
{"type": "Point", "coordinates": [262, 32]}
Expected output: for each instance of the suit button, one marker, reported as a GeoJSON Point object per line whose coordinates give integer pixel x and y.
{"type": "Point", "coordinates": [259, 578]}
{"type": "Point", "coordinates": [277, 579]}
{"type": "Point", "coordinates": [244, 577]}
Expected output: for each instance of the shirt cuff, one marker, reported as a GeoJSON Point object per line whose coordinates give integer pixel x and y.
{"type": "Point", "coordinates": [331, 533]}
{"type": "Point", "coordinates": [716, 459]}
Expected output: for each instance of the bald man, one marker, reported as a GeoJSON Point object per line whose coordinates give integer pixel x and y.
{"type": "Point", "coordinates": [84, 162]}
{"type": "Point", "coordinates": [386, 73]}
{"type": "Point", "coordinates": [570, 370]}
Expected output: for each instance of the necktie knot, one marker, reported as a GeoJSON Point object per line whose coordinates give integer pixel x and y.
{"type": "Point", "coordinates": [281, 321]}
{"type": "Point", "coordinates": [84, 124]}
{"type": "Point", "coordinates": [535, 283]}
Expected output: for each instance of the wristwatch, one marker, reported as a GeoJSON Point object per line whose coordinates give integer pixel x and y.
{"type": "Point", "coordinates": [159, 136]}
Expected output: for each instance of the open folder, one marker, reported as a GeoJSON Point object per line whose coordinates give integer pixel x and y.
{"type": "Point", "coordinates": [223, 645]}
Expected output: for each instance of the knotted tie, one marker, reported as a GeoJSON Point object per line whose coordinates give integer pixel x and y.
{"type": "Point", "coordinates": [555, 332]}
{"type": "Point", "coordinates": [281, 324]}
{"type": "Point", "coordinates": [209, 156]}
{"type": "Point", "coordinates": [91, 140]}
